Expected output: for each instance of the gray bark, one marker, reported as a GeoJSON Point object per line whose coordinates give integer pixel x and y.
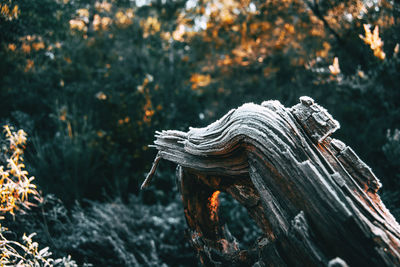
{"type": "Point", "coordinates": [314, 199]}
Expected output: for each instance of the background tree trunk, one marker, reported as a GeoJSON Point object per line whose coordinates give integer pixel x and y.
{"type": "Point", "coordinates": [314, 199]}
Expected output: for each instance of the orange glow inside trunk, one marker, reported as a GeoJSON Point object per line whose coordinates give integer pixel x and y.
{"type": "Point", "coordinates": [213, 203]}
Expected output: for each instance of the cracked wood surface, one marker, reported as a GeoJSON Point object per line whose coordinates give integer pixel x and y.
{"type": "Point", "coordinates": [314, 199]}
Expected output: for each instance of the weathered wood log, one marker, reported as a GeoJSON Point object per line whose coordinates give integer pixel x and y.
{"type": "Point", "coordinates": [314, 199]}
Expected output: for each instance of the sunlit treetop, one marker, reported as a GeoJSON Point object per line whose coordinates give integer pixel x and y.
{"type": "Point", "coordinates": [245, 33]}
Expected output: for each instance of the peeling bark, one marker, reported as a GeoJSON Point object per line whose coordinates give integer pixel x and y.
{"type": "Point", "coordinates": [314, 199]}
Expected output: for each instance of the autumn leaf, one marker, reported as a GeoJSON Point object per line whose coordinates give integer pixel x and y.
{"type": "Point", "coordinates": [200, 80]}
{"type": "Point", "coordinates": [334, 68]}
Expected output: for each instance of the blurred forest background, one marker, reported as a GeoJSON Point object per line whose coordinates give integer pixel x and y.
{"type": "Point", "coordinates": [90, 81]}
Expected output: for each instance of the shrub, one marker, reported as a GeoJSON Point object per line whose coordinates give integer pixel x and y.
{"type": "Point", "coordinates": [113, 233]}
{"type": "Point", "coordinates": [15, 190]}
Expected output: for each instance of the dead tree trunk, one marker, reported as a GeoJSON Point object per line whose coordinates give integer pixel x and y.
{"type": "Point", "coordinates": [311, 195]}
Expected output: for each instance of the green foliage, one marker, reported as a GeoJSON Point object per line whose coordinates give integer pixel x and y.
{"type": "Point", "coordinates": [74, 156]}
{"type": "Point", "coordinates": [113, 233]}
{"type": "Point", "coordinates": [392, 150]}
{"type": "Point", "coordinates": [392, 153]}
{"type": "Point", "coordinates": [93, 94]}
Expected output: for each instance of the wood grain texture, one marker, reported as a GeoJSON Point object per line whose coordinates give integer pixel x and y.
{"type": "Point", "coordinates": [314, 199]}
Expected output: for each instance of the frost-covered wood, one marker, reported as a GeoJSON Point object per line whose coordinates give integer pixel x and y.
{"type": "Point", "coordinates": [311, 195]}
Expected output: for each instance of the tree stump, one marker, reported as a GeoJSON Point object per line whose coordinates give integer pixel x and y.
{"type": "Point", "coordinates": [311, 195]}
